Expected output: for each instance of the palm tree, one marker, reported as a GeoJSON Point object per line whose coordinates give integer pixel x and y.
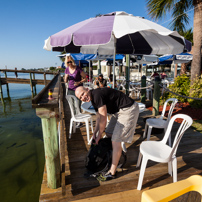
{"type": "Point", "coordinates": [178, 8]}
{"type": "Point", "coordinates": [188, 34]}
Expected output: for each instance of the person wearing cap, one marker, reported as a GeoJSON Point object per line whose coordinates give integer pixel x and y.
{"type": "Point", "coordinates": [100, 82]}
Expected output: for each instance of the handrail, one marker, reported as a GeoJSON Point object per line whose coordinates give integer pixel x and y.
{"type": "Point", "coordinates": [25, 71]}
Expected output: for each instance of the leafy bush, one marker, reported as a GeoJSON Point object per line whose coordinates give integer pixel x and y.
{"type": "Point", "coordinates": [180, 86]}
{"type": "Point", "coordinates": [196, 91]}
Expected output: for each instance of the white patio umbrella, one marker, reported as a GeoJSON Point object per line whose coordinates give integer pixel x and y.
{"type": "Point", "coordinates": [117, 32]}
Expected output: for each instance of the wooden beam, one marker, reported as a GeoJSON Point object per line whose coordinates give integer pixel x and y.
{"type": "Point", "coordinates": [22, 81]}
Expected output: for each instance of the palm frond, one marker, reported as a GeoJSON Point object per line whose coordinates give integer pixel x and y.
{"type": "Point", "coordinates": [158, 8]}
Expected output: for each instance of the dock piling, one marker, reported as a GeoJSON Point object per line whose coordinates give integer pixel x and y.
{"type": "Point", "coordinates": [51, 146]}
{"type": "Point", "coordinates": [7, 88]}
{"type": "Point", "coordinates": [31, 83]}
{"type": "Point", "coordinates": [1, 91]}
{"type": "Point", "coordinates": [44, 75]}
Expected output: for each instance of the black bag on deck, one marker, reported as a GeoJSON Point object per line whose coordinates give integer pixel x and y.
{"type": "Point", "coordinates": [99, 157]}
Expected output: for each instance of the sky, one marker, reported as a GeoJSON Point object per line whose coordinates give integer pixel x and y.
{"type": "Point", "coordinates": [25, 24]}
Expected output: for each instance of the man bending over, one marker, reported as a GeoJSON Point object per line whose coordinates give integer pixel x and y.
{"type": "Point", "coordinates": [121, 128]}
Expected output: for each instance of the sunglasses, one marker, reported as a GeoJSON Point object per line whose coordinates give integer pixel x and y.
{"type": "Point", "coordinates": [69, 62]}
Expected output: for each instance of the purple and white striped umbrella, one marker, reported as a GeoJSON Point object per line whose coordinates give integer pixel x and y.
{"type": "Point", "coordinates": [117, 32]}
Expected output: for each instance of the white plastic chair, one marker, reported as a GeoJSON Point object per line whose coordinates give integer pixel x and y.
{"type": "Point", "coordinates": [133, 89]}
{"type": "Point", "coordinates": [78, 117]}
{"type": "Point", "coordinates": [160, 122]}
{"type": "Point", "coordinates": [66, 86]}
{"type": "Point", "coordinates": [159, 151]}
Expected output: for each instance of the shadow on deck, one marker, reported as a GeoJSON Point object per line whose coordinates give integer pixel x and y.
{"type": "Point", "coordinates": [123, 188]}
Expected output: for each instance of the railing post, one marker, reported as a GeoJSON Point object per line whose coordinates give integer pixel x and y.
{"type": "Point", "coordinates": [1, 91]}
{"type": "Point", "coordinates": [34, 85]}
{"type": "Point", "coordinates": [156, 97]}
{"type": "Point", "coordinates": [51, 146]}
{"type": "Point", "coordinates": [7, 88]}
{"type": "Point", "coordinates": [143, 91]}
{"type": "Point", "coordinates": [44, 75]}
{"type": "Point", "coordinates": [31, 83]}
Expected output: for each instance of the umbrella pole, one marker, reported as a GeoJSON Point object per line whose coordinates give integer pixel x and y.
{"type": "Point", "coordinates": [89, 71]}
{"type": "Point", "coordinates": [114, 57]}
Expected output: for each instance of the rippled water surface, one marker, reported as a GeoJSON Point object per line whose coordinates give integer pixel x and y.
{"type": "Point", "coordinates": [21, 145]}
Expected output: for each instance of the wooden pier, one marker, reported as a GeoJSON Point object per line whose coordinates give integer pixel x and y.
{"type": "Point", "coordinates": [32, 81]}
{"type": "Point", "coordinates": [75, 186]}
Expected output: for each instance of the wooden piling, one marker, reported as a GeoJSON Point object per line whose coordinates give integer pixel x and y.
{"type": "Point", "coordinates": [143, 91]}
{"type": "Point", "coordinates": [34, 85]}
{"type": "Point", "coordinates": [31, 83]}
{"type": "Point", "coordinates": [7, 88]}
{"type": "Point", "coordinates": [1, 91]}
{"type": "Point", "coordinates": [44, 75]}
{"type": "Point", "coordinates": [51, 147]}
{"type": "Point", "coordinates": [47, 110]}
{"type": "Point", "coordinates": [33, 76]}
{"type": "Point", "coordinates": [156, 97]}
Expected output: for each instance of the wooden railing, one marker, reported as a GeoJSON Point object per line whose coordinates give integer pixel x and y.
{"type": "Point", "coordinates": [32, 81]}
{"type": "Point", "coordinates": [49, 107]}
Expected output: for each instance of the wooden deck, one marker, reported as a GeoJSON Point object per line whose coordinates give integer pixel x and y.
{"type": "Point", "coordinates": [123, 188]}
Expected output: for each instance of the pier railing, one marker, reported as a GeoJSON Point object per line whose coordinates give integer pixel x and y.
{"type": "Point", "coordinates": [49, 107]}
{"type": "Point", "coordinates": [32, 80]}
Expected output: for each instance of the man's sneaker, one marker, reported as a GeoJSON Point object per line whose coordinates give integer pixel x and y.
{"type": "Point", "coordinates": [105, 177]}
{"type": "Point", "coordinates": [79, 125]}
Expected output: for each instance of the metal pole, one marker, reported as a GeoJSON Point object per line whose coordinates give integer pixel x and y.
{"type": "Point", "coordinates": [89, 71]}
{"type": "Point", "coordinates": [143, 91]}
{"type": "Point", "coordinates": [127, 73]}
{"type": "Point", "coordinates": [156, 97]}
{"type": "Point", "coordinates": [99, 67]}
{"type": "Point", "coordinates": [114, 58]}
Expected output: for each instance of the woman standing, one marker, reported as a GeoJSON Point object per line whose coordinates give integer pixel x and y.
{"type": "Point", "coordinates": [75, 77]}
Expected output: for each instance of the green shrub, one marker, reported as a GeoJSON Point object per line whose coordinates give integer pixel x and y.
{"type": "Point", "coordinates": [180, 86]}
{"type": "Point", "coordinates": [196, 92]}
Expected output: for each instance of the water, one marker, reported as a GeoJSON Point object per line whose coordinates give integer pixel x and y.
{"type": "Point", "coordinates": [21, 144]}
